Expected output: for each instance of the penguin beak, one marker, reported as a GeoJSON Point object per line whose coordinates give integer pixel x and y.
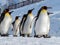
{"type": "Point", "coordinates": [19, 16]}
{"type": "Point", "coordinates": [49, 7]}
{"type": "Point", "coordinates": [11, 12]}
{"type": "Point", "coordinates": [32, 9]}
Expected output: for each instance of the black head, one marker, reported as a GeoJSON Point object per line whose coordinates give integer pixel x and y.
{"type": "Point", "coordinates": [29, 11]}
{"type": "Point", "coordinates": [45, 7]}
{"type": "Point", "coordinates": [17, 17]}
{"type": "Point", "coordinates": [6, 10]}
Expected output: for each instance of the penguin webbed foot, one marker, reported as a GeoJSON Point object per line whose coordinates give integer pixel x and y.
{"type": "Point", "coordinates": [23, 35]}
{"type": "Point", "coordinates": [37, 36]}
{"type": "Point", "coordinates": [15, 35]}
{"type": "Point", "coordinates": [46, 36]}
{"type": "Point", "coordinates": [4, 35]}
{"type": "Point", "coordinates": [28, 35]}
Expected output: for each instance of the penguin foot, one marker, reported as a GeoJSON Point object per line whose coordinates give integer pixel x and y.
{"type": "Point", "coordinates": [23, 35]}
{"type": "Point", "coordinates": [15, 35]}
{"type": "Point", "coordinates": [28, 35]}
{"type": "Point", "coordinates": [4, 35]}
{"type": "Point", "coordinates": [35, 35]}
{"type": "Point", "coordinates": [46, 36]}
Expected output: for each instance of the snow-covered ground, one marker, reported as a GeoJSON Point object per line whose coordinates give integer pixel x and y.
{"type": "Point", "coordinates": [54, 30]}
{"type": "Point", "coordinates": [29, 41]}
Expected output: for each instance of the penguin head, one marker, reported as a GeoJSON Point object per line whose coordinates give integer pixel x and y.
{"type": "Point", "coordinates": [7, 11]}
{"type": "Point", "coordinates": [45, 7]}
{"type": "Point", "coordinates": [17, 17]}
{"type": "Point", "coordinates": [30, 11]}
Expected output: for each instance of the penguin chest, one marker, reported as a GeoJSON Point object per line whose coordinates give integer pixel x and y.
{"type": "Point", "coordinates": [42, 25]}
{"type": "Point", "coordinates": [4, 26]}
{"type": "Point", "coordinates": [27, 29]}
{"type": "Point", "coordinates": [16, 27]}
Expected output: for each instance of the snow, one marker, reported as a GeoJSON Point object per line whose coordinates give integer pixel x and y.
{"type": "Point", "coordinates": [29, 41]}
{"type": "Point", "coordinates": [54, 30]}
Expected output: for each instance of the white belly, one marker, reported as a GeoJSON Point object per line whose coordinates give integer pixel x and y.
{"type": "Point", "coordinates": [4, 26]}
{"type": "Point", "coordinates": [42, 25]}
{"type": "Point", "coordinates": [16, 28]}
{"type": "Point", "coordinates": [27, 29]}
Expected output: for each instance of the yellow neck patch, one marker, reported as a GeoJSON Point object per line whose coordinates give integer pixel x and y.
{"type": "Point", "coordinates": [43, 11]}
{"type": "Point", "coordinates": [17, 20]}
{"type": "Point", "coordinates": [30, 14]}
{"type": "Point", "coordinates": [7, 14]}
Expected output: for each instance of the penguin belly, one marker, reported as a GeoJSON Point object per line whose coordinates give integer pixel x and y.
{"type": "Point", "coordinates": [42, 25]}
{"type": "Point", "coordinates": [27, 29]}
{"type": "Point", "coordinates": [16, 28]}
{"type": "Point", "coordinates": [5, 24]}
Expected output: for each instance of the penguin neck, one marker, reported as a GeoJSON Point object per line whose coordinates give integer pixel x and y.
{"type": "Point", "coordinates": [7, 14]}
{"type": "Point", "coordinates": [30, 14]}
{"type": "Point", "coordinates": [17, 20]}
{"type": "Point", "coordinates": [44, 11]}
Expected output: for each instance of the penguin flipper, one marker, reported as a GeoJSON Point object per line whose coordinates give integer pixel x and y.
{"type": "Point", "coordinates": [13, 23]}
{"type": "Point", "coordinates": [23, 22]}
{"type": "Point", "coordinates": [2, 17]}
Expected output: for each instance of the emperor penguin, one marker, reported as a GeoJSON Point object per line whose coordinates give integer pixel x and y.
{"type": "Point", "coordinates": [26, 21]}
{"type": "Point", "coordinates": [42, 23]}
{"type": "Point", "coordinates": [5, 22]}
{"type": "Point", "coordinates": [16, 24]}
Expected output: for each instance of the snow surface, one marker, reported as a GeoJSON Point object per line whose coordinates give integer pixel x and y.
{"type": "Point", "coordinates": [54, 30]}
{"type": "Point", "coordinates": [29, 41]}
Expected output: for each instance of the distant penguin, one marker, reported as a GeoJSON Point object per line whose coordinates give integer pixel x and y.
{"type": "Point", "coordinates": [26, 21]}
{"type": "Point", "coordinates": [42, 23]}
{"type": "Point", "coordinates": [16, 24]}
{"type": "Point", "coordinates": [5, 22]}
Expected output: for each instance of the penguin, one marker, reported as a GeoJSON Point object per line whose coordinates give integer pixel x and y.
{"type": "Point", "coordinates": [42, 23]}
{"type": "Point", "coordinates": [5, 22]}
{"type": "Point", "coordinates": [16, 24]}
{"type": "Point", "coordinates": [26, 20]}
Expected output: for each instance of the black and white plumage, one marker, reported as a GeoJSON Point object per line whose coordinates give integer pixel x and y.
{"type": "Point", "coordinates": [25, 23]}
{"type": "Point", "coordinates": [42, 23]}
{"type": "Point", "coordinates": [5, 22]}
{"type": "Point", "coordinates": [16, 24]}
